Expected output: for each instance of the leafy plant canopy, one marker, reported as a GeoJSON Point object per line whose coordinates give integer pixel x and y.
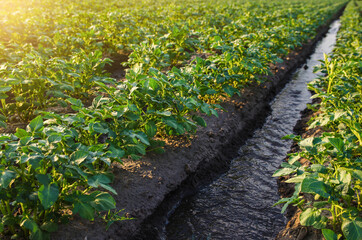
{"type": "Point", "coordinates": [182, 58]}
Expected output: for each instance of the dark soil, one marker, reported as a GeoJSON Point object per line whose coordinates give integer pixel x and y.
{"type": "Point", "coordinates": [149, 187]}
{"type": "Point", "coordinates": [116, 69]}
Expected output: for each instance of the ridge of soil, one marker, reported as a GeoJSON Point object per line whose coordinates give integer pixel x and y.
{"type": "Point", "coordinates": [150, 187]}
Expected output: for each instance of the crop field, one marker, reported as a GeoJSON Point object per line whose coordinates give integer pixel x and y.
{"type": "Point", "coordinates": [84, 84]}
{"type": "Point", "coordinates": [334, 177]}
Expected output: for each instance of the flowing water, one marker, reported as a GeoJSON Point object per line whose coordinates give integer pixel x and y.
{"type": "Point", "coordinates": [238, 205]}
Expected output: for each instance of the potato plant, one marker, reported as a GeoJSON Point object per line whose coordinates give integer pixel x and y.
{"type": "Point", "coordinates": [53, 51]}
{"type": "Point", "coordinates": [45, 169]}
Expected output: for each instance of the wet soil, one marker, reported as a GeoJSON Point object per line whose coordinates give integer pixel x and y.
{"type": "Point", "coordinates": [146, 186]}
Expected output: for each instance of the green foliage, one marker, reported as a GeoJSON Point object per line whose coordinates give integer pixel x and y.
{"type": "Point", "coordinates": [183, 58]}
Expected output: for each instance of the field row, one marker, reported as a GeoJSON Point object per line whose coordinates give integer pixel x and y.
{"type": "Point", "coordinates": [334, 175]}
{"type": "Point", "coordinates": [183, 58]}
{"type": "Point", "coordinates": [52, 51]}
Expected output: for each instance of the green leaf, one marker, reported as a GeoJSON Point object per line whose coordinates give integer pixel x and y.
{"type": "Point", "coordinates": [35, 161]}
{"type": "Point", "coordinates": [6, 176]}
{"type": "Point", "coordinates": [283, 172]}
{"type": "Point", "coordinates": [109, 188]}
{"type": "Point", "coordinates": [293, 159]}
{"type": "Point", "coordinates": [357, 174]}
{"type": "Point", "coordinates": [211, 91]}
{"type": "Point", "coordinates": [229, 90]}
{"type": "Point", "coordinates": [35, 149]}
{"type": "Point", "coordinates": [312, 217]}
{"type": "Point", "coordinates": [44, 179]}
{"type": "Point", "coordinates": [292, 137]}
{"type": "Point", "coordinates": [106, 160]}
{"type": "Point", "coordinates": [170, 122]}
{"type": "Point", "coordinates": [101, 84]}
{"type": "Point", "coordinates": [3, 118]}
{"type": "Point", "coordinates": [66, 87]}
{"type": "Point", "coordinates": [205, 108]}
{"type": "Point", "coordinates": [8, 220]}
{"type": "Point", "coordinates": [142, 137]}
{"type": "Point", "coordinates": [48, 195]}
{"type": "Point", "coordinates": [20, 133]}
{"type": "Point", "coordinates": [24, 158]}
{"type": "Point", "coordinates": [25, 140]}
{"type": "Point", "coordinates": [321, 223]}
{"type": "Point", "coordinates": [287, 202]}
{"type": "Point", "coordinates": [49, 227]}
{"type": "Point", "coordinates": [199, 120]}
{"type": "Point", "coordinates": [338, 113]}
{"type": "Point", "coordinates": [103, 202]}
{"type": "Point", "coordinates": [115, 152]}
{"type": "Point", "coordinates": [352, 229]}
{"type": "Point", "coordinates": [337, 143]}
{"type": "Point", "coordinates": [329, 234]}
{"type": "Point", "coordinates": [54, 138]}
{"type": "Point", "coordinates": [79, 156]}
{"type": "Point", "coordinates": [101, 181]}
{"type": "Point", "coordinates": [164, 113]}
{"type": "Point", "coordinates": [279, 60]}
{"type": "Point", "coordinates": [75, 102]}
{"type": "Point", "coordinates": [356, 130]}
{"type": "Point", "coordinates": [78, 170]}
{"type": "Point", "coordinates": [5, 138]}
{"type": "Point", "coordinates": [319, 168]}
{"type": "Point", "coordinates": [151, 128]}
{"type": "Point", "coordinates": [39, 235]}
{"type": "Point", "coordinates": [36, 124]}
{"type": "Point", "coordinates": [132, 116]}
{"type": "Point", "coordinates": [2, 124]}
{"type": "Point", "coordinates": [153, 84]}
{"type": "Point", "coordinates": [76, 75]}
{"type": "Point", "coordinates": [344, 176]}
{"type": "Point", "coordinates": [140, 148]}
{"type": "Point", "coordinates": [297, 179]}
{"type": "Point", "coordinates": [308, 142]}
{"type": "Point", "coordinates": [4, 89]}
{"type": "Point", "coordinates": [320, 204]}
{"type": "Point", "coordinates": [98, 128]}
{"type": "Point", "coordinates": [3, 96]}
{"type": "Point", "coordinates": [29, 224]}
{"type": "Point", "coordinates": [214, 112]}
{"type": "Point", "coordinates": [311, 185]}
{"type": "Point", "coordinates": [85, 210]}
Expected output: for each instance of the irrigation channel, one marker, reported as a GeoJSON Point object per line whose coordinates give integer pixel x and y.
{"type": "Point", "coordinates": [238, 205]}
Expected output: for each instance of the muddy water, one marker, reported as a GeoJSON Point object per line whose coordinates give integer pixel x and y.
{"type": "Point", "coordinates": [238, 205]}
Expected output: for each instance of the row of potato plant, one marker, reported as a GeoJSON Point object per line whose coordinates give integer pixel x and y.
{"type": "Point", "coordinates": [60, 165]}
{"type": "Point", "coordinates": [53, 166]}
{"type": "Point", "coordinates": [48, 54]}
{"type": "Point", "coordinates": [334, 175]}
